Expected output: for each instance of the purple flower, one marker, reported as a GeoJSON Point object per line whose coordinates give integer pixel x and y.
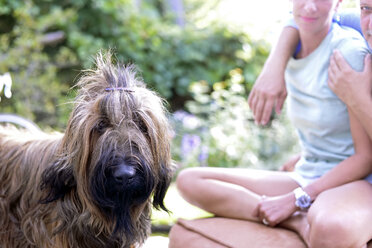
{"type": "Point", "coordinates": [189, 143]}
{"type": "Point", "coordinates": [179, 115]}
{"type": "Point", "coordinates": [203, 156]}
{"type": "Point", "coordinates": [188, 120]}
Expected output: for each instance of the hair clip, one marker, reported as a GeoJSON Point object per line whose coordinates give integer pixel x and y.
{"type": "Point", "coordinates": [119, 89]}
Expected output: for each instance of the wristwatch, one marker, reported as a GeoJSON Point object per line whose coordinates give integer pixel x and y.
{"type": "Point", "coordinates": [303, 200]}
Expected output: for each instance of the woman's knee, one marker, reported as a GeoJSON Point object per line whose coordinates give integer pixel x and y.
{"type": "Point", "coordinates": [340, 217]}
{"type": "Point", "coordinates": [187, 180]}
{"type": "Point", "coordinates": [325, 232]}
{"type": "Point", "coordinates": [331, 230]}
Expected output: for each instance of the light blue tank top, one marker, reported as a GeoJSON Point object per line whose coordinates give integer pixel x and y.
{"type": "Point", "coordinates": [319, 116]}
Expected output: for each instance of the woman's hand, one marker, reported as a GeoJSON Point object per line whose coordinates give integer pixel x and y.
{"type": "Point", "coordinates": [290, 164]}
{"type": "Point", "coordinates": [274, 210]}
{"type": "Point", "coordinates": [349, 85]}
{"type": "Point", "coordinates": [269, 92]}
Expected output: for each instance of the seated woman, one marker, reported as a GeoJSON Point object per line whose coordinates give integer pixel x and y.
{"type": "Point", "coordinates": [269, 91]}
{"type": "Point", "coordinates": [324, 196]}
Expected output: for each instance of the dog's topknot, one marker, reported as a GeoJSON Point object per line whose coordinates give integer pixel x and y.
{"type": "Point", "coordinates": [109, 75]}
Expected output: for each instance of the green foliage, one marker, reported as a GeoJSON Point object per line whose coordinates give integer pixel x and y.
{"type": "Point", "coordinates": [220, 130]}
{"type": "Point", "coordinates": [174, 58]}
{"type": "Point", "coordinates": [169, 57]}
{"type": "Point", "coordinates": [37, 90]}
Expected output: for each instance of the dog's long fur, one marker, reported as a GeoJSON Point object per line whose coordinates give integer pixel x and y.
{"type": "Point", "coordinates": [62, 190]}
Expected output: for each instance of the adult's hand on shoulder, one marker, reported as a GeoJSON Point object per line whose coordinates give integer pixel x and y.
{"type": "Point", "coordinates": [348, 84]}
{"type": "Point", "coordinates": [269, 91]}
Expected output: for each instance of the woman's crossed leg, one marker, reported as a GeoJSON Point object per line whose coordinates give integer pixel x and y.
{"type": "Point", "coordinates": [340, 217]}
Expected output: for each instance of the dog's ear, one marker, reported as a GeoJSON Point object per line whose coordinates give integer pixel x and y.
{"type": "Point", "coordinates": [56, 182]}
{"type": "Point", "coordinates": [165, 177]}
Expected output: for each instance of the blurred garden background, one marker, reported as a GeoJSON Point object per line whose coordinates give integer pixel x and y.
{"type": "Point", "coordinates": [202, 56]}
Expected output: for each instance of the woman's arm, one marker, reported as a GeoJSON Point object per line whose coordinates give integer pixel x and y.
{"type": "Point", "coordinates": [269, 89]}
{"type": "Point", "coordinates": [353, 168]}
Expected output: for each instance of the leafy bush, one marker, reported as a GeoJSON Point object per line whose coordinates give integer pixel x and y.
{"type": "Point", "coordinates": [219, 129]}
{"type": "Point", "coordinates": [169, 57]}
{"type": "Point", "coordinates": [37, 90]}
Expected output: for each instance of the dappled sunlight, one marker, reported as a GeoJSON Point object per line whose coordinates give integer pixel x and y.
{"type": "Point", "coordinates": [156, 242]}
{"type": "Point", "coordinates": [261, 19]}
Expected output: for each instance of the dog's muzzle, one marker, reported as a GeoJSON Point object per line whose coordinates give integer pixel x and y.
{"type": "Point", "coordinates": [124, 173]}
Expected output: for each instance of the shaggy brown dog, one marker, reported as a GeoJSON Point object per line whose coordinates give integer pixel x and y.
{"type": "Point", "coordinates": [95, 185]}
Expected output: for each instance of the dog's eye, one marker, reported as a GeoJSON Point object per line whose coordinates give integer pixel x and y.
{"type": "Point", "coordinates": [140, 123]}
{"type": "Point", "coordinates": [142, 127]}
{"type": "Point", "coordinates": [101, 126]}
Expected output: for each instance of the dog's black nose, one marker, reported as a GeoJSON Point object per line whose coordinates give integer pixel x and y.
{"type": "Point", "coordinates": [124, 172]}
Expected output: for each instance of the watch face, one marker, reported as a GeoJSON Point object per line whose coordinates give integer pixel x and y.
{"type": "Point", "coordinates": [303, 202]}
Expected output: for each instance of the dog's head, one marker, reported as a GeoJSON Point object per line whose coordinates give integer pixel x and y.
{"type": "Point", "coordinates": [115, 154]}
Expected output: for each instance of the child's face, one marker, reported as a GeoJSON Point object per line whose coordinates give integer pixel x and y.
{"type": "Point", "coordinates": [313, 16]}
{"type": "Point", "coordinates": [366, 19]}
